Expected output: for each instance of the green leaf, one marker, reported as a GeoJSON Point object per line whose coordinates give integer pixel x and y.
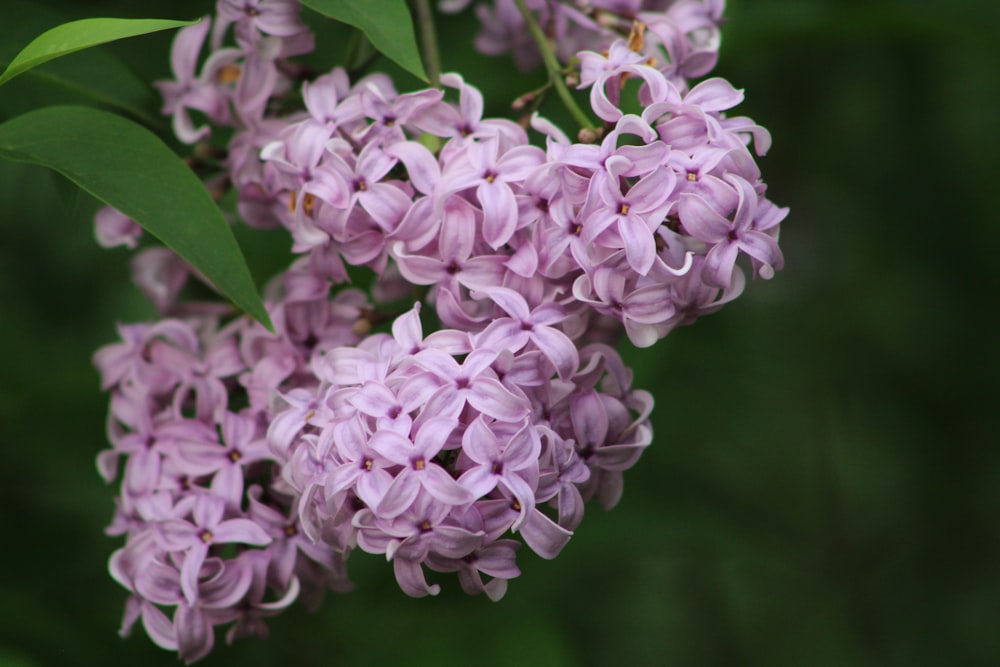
{"type": "Point", "coordinates": [91, 77]}
{"type": "Point", "coordinates": [95, 75]}
{"type": "Point", "coordinates": [386, 23]}
{"type": "Point", "coordinates": [77, 35]}
{"type": "Point", "coordinates": [123, 164]}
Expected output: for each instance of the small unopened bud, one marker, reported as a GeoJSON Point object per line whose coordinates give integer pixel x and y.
{"type": "Point", "coordinates": [203, 150]}
{"type": "Point", "coordinates": [588, 136]}
{"type": "Point", "coordinates": [605, 19]}
{"type": "Point", "coordinates": [523, 101]}
{"type": "Point", "coordinates": [218, 193]}
{"type": "Point", "coordinates": [362, 326]}
{"type": "Point", "coordinates": [572, 79]}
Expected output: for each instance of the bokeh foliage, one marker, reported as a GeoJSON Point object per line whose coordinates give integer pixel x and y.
{"type": "Point", "coordinates": [824, 486]}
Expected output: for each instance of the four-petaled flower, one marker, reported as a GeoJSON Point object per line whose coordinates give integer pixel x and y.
{"type": "Point", "coordinates": [206, 529]}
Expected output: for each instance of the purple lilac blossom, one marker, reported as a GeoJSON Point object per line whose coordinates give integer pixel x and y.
{"type": "Point", "coordinates": [682, 36]}
{"type": "Point", "coordinates": [252, 463]}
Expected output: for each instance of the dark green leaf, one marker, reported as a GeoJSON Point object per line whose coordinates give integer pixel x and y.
{"type": "Point", "coordinates": [77, 35]}
{"type": "Point", "coordinates": [94, 76]}
{"type": "Point", "coordinates": [126, 166]}
{"type": "Point", "coordinates": [386, 23]}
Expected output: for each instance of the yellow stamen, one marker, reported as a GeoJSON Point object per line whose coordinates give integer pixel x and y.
{"type": "Point", "coordinates": [228, 74]}
{"type": "Point", "coordinates": [309, 204]}
{"type": "Point", "coordinates": [636, 36]}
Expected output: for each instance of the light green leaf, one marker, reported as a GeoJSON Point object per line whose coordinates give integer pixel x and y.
{"type": "Point", "coordinates": [77, 35]}
{"type": "Point", "coordinates": [386, 23]}
{"type": "Point", "coordinates": [123, 164]}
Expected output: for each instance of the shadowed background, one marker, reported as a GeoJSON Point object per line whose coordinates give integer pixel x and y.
{"type": "Point", "coordinates": [823, 487]}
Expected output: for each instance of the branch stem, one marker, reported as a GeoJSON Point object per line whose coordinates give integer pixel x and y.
{"type": "Point", "coordinates": [553, 67]}
{"type": "Point", "coordinates": [428, 41]}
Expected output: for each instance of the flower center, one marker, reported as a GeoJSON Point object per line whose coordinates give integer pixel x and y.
{"type": "Point", "coordinates": [228, 74]}
{"type": "Point", "coordinates": [309, 204]}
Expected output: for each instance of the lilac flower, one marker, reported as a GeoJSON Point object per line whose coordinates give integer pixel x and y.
{"type": "Point", "coordinates": [491, 173]}
{"type": "Point", "coordinates": [638, 309]}
{"type": "Point", "coordinates": [510, 464]}
{"type": "Point", "coordinates": [249, 616]}
{"type": "Point", "coordinates": [467, 120]}
{"type": "Point", "coordinates": [419, 471]}
{"type": "Point", "coordinates": [605, 73]}
{"type": "Point", "coordinates": [161, 275]}
{"type": "Point", "coordinates": [444, 451]}
{"type": "Point", "coordinates": [522, 326]}
{"type": "Point", "coordinates": [271, 17]}
{"type": "Point", "coordinates": [455, 261]}
{"type": "Point", "coordinates": [129, 362]}
{"type": "Point", "coordinates": [496, 559]}
{"type": "Point", "coordinates": [391, 112]}
{"type": "Point", "coordinates": [201, 375]}
{"type": "Point", "coordinates": [329, 101]}
{"type": "Point", "coordinates": [729, 237]}
{"type": "Point", "coordinates": [632, 216]}
{"type": "Point", "coordinates": [113, 228]}
{"type": "Point", "coordinates": [200, 92]}
{"type": "Point", "coordinates": [361, 467]}
{"type": "Point", "coordinates": [472, 382]}
{"type": "Point", "coordinates": [288, 543]}
{"type": "Point", "coordinates": [196, 538]}
{"type": "Point", "coordinates": [564, 472]}
{"type": "Point", "coordinates": [241, 445]}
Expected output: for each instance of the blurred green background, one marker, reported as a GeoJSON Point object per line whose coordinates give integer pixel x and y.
{"type": "Point", "coordinates": [824, 485]}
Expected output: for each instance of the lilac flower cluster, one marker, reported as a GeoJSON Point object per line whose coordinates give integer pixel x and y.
{"type": "Point", "coordinates": [682, 36]}
{"type": "Point", "coordinates": [256, 461]}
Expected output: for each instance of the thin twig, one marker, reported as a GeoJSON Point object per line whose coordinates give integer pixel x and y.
{"type": "Point", "coordinates": [428, 41]}
{"type": "Point", "coordinates": [553, 67]}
